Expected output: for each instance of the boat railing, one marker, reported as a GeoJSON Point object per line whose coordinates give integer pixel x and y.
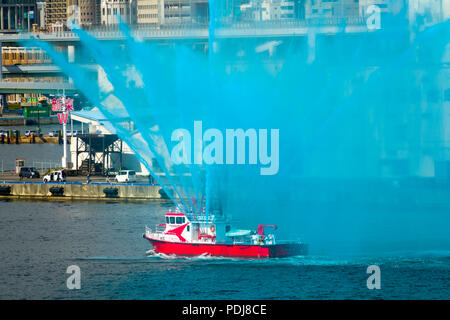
{"type": "Point", "coordinates": [205, 218]}
{"type": "Point", "coordinates": [158, 228]}
{"type": "Point", "coordinates": [242, 240]}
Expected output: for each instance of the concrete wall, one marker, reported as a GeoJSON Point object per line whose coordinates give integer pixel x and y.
{"type": "Point", "coordinates": [87, 191]}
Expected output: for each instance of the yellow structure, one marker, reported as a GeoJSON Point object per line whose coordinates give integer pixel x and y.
{"type": "Point", "coordinates": [24, 55]}
{"type": "Point", "coordinates": [82, 12]}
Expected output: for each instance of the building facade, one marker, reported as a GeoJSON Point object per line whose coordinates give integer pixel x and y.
{"type": "Point", "coordinates": [148, 11]}
{"type": "Point", "coordinates": [111, 9]}
{"type": "Point", "coordinates": [269, 10]}
{"type": "Point", "coordinates": [428, 12]}
{"type": "Point", "coordinates": [184, 11]}
{"type": "Point", "coordinates": [88, 12]}
{"type": "Point", "coordinates": [331, 9]}
{"type": "Point", "coordinates": [55, 14]}
{"type": "Point", "coordinates": [17, 15]}
{"type": "Point", "coordinates": [40, 15]}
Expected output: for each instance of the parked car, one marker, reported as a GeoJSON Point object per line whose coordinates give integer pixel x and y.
{"type": "Point", "coordinates": [29, 132]}
{"type": "Point", "coordinates": [29, 172]}
{"type": "Point", "coordinates": [55, 176]}
{"type": "Point", "coordinates": [126, 176]}
{"type": "Point", "coordinates": [75, 133]}
{"type": "Point", "coordinates": [3, 133]}
{"type": "Point", "coordinates": [53, 133]}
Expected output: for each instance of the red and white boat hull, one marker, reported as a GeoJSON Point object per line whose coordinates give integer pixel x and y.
{"type": "Point", "coordinates": [206, 235]}
{"type": "Point", "coordinates": [278, 250]}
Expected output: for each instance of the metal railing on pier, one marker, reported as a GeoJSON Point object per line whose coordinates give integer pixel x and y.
{"type": "Point", "coordinates": [46, 165]}
{"type": "Point", "coordinates": [198, 30]}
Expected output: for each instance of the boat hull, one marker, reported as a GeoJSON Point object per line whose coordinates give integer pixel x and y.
{"type": "Point", "coordinates": [280, 250]}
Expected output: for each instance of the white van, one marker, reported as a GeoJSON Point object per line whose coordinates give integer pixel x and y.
{"type": "Point", "coordinates": [55, 176]}
{"type": "Point", "coordinates": [126, 176]}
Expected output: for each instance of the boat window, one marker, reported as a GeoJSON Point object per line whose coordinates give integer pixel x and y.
{"type": "Point", "coordinates": [167, 219]}
{"type": "Point", "coordinates": [188, 228]}
{"type": "Point", "coordinates": [172, 220]}
{"type": "Point", "coordinates": [179, 220]}
{"type": "Point", "coordinates": [183, 220]}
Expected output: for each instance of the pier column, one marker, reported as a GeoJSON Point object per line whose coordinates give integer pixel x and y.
{"type": "Point", "coordinates": [71, 57]}
{"type": "Point", "coordinates": [1, 19]}
{"type": "Point", "coordinates": [9, 18]}
{"type": "Point", "coordinates": [1, 62]}
{"type": "Point", "coordinates": [311, 46]}
{"type": "Point", "coordinates": [71, 53]}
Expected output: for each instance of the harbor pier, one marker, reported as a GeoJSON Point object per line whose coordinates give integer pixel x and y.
{"type": "Point", "coordinates": [78, 190]}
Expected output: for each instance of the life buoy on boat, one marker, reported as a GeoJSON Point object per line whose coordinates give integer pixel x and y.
{"type": "Point", "coordinates": [212, 228]}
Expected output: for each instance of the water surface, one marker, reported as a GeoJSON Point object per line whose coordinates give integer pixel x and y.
{"type": "Point", "coordinates": [40, 239]}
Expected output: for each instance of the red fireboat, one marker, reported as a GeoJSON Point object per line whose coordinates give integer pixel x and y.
{"type": "Point", "coordinates": [208, 235]}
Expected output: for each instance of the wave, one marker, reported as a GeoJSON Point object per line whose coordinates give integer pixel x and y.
{"type": "Point", "coordinates": [441, 257]}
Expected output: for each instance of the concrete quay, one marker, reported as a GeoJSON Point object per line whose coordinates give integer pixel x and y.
{"type": "Point", "coordinates": [78, 190]}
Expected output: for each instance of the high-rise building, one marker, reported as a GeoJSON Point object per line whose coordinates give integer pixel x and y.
{"type": "Point", "coordinates": [281, 9]}
{"type": "Point", "coordinates": [111, 9]}
{"type": "Point", "coordinates": [257, 10]}
{"type": "Point", "coordinates": [428, 12]}
{"type": "Point", "coordinates": [40, 14]}
{"type": "Point", "coordinates": [331, 9]}
{"type": "Point", "coordinates": [299, 9]}
{"type": "Point", "coordinates": [148, 11]}
{"type": "Point", "coordinates": [63, 13]}
{"type": "Point", "coordinates": [89, 12]}
{"type": "Point", "coordinates": [184, 11]}
{"type": "Point", "coordinates": [56, 14]}
{"type": "Point", "coordinates": [17, 15]}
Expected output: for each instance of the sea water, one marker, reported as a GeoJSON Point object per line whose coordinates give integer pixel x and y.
{"type": "Point", "coordinates": [41, 239]}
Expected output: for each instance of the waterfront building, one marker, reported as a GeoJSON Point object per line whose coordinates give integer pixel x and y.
{"type": "Point", "coordinates": [299, 9]}
{"type": "Point", "coordinates": [250, 12]}
{"type": "Point", "coordinates": [60, 13]}
{"type": "Point", "coordinates": [40, 15]}
{"type": "Point", "coordinates": [148, 11]}
{"type": "Point", "coordinates": [89, 12]}
{"type": "Point", "coordinates": [17, 15]}
{"type": "Point", "coordinates": [268, 10]}
{"type": "Point", "coordinates": [126, 9]}
{"type": "Point", "coordinates": [94, 122]}
{"type": "Point", "coordinates": [286, 9]}
{"type": "Point", "coordinates": [184, 11]}
{"type": "Point", "coordinates": [56, 14]}
{"type": "Point", "coordinates": [428, 12]}
{"type": "Point", "coordinates": [331, 9]}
